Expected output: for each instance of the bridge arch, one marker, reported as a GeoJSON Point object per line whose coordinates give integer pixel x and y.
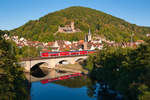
{"type": "Point", "coordinates": [39, 70]}
{"type": "Point", "coordinates": [79, 60]}
{"type": "Point", "coordinates": [62, 62]}
{"type": "Point", "coordinates": [42, 64]}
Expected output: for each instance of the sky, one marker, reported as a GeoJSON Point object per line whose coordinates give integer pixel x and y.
{"type": "Point", "coordinates": [15, 13]}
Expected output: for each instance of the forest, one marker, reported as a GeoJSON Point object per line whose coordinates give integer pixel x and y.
{"type": "Point", "coordinates": [100, 23]}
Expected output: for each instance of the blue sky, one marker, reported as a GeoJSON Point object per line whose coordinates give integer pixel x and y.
{"type": "Point", "coordinates": [14, 13]}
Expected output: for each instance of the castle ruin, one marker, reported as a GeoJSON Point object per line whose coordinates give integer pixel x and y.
{"type": "Point", "coordinates": [68, 29]}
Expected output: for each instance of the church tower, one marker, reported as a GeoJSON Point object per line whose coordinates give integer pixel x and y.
{"type": "Point", "coordinates": [85, 42]}
{"type": "Point", "coordinates": [89, 36]}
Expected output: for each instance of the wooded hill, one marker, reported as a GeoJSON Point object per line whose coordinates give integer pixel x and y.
{"type": "Point", "coordinates": [100, 23]}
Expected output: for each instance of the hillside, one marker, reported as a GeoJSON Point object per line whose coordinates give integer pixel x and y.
{"type": "Point", "coordinates": [84, 18]}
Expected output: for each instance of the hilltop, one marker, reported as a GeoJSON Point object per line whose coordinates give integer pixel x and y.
{"type": "Point", "coordinates": [100, 23]}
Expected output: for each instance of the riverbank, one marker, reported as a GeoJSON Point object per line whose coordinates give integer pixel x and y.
{"type": "Point", "coordinates": [125, 70]}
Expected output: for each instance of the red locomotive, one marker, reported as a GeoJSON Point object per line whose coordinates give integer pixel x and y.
{"type": "Point", "coordinates": [66, 53]}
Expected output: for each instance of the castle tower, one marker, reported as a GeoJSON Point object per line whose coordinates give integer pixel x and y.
{"type": "Point", "coordinates": [72, 26]}
{"type": "Point", "coordinates": [89, 36]}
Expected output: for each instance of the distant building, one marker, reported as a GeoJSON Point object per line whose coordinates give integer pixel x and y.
{"type": "Point", "coordinates": [68, 29]}
{"type": "Point", "coordinates": [89, 36]}
{"type": "Point", "coordinates": [148, 35]}
{"type": "Point", "coordinates": [85, 42]}
{"type": "Point", "coordinates": [55, 46]}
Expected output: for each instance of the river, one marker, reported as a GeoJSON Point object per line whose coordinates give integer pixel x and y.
{"type": "Point", "coordinates": [78, 88]}
{"type": "Point", "coordinates": [60, 90]}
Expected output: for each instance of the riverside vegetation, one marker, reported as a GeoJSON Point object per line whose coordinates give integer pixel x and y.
{"type": "Point", "coordinates": [124, 69]}
{"type": "Point", "coordinates": [13, 85]}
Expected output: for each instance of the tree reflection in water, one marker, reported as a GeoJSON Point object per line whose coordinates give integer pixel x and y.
{"type": "Point", "coordinates": [99, 90]}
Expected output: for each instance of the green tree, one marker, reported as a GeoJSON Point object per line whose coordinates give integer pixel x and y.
{"type": "Point", "coordinates": [13, 85]}
{"type": "Point", "coordinates": [126, 70]}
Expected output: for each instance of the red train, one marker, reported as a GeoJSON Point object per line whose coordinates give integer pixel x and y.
{"type": "Point", "coordinates": [66, 53]}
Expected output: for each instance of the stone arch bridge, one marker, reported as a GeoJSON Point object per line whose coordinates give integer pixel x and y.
{"type": "Point", "coordinates": [51, 61]}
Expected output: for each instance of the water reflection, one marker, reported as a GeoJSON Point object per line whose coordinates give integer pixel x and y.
{"type": "Point", "coordinates": [78, 88]}
{"type": "Point", "coordinates": [101, 91]}
{"type": "Point", "coordinates": [52, 73]}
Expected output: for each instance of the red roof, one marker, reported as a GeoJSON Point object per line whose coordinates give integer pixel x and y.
{"type": "Point", "coordinates": [50, 43]}
{"type": "Point", "coordinates": [81, 41]}
{"type": "Point", "coordinates": [140, 40]}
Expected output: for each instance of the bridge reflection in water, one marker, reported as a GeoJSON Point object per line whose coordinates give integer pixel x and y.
{"type": "Point", "coordinates": [79, 88]}
{"type": "Point", "coordinates": [52, 73]}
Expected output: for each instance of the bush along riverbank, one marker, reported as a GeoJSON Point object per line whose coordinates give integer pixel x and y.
{"type": "Point", "coordinates": [13, 85]}
{"type": "Point", "coordinates": [124, 69]}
